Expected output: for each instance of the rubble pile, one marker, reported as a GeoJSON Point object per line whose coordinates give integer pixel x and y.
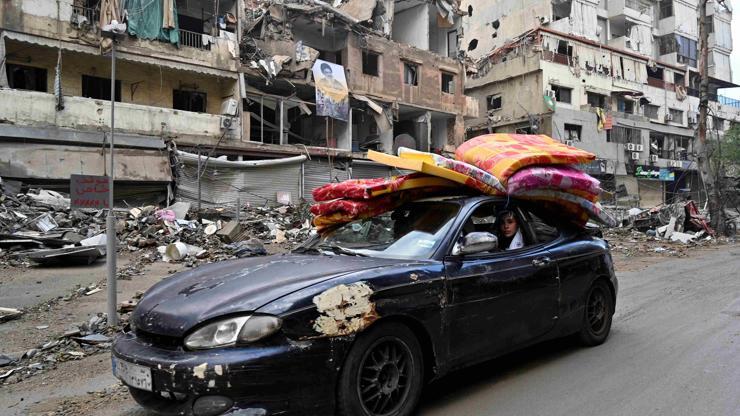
{"type": "Point", "coordinates": [679, 222]}
{"type": "Point", "coordinates": [85, 339]}
{"type": "Point", "coordinates": [39, 227]}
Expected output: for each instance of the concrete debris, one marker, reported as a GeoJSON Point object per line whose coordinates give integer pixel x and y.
{"type": "Point", "coordinates": [7, 314]}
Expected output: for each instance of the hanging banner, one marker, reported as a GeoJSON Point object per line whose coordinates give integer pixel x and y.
{"type": "Point", "coordinates": [332, 93]}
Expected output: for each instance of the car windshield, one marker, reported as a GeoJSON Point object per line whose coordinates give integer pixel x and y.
{"type": "Point", "coordinates": [412, 231]}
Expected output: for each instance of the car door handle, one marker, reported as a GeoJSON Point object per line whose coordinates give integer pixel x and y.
{"type": "Point", "coordinates": [541, 262]}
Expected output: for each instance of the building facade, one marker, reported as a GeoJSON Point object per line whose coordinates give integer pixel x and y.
{"type": "Point", "coordinates": [231, 80]}
{"type": "Point", "coordinates": [616, 78]}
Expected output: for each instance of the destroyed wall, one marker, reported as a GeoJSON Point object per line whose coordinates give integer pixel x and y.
{"type": "Point", "coordinates": [411, 26]}
{"type": "Point", "coordinates": [492, 24]}
{"type": "Point", "coordinates": [389, 84]}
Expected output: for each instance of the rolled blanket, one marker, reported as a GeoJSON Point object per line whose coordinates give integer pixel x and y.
{"type": "Point", "coordinates": [360, 189]}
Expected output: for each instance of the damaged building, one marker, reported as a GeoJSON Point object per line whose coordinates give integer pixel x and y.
{"type": "Point", "coordinates": [625, 88]}
{"type": "Point", "coordinates": [233, 81]}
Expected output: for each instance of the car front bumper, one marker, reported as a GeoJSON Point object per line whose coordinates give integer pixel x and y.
{"type": "Point", "coordinates": [285, 377]}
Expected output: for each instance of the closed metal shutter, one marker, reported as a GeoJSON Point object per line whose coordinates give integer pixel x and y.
{"type": "Point", "coordinates": [365, 170]}
{"type": "Point", "coordinates": [258, 186]}
{"type": "Point", "coordinates": [316, 173]}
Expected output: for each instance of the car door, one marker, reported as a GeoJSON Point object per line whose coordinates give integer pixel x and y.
{"type": "Point", "coordinates": [498, 300]}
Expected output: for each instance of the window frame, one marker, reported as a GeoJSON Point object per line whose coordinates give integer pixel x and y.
{"type": "Point", "coordinates": [567, 127]}
{"type": "Point", "coordinates": [39, 73]}
{"type": "Point", "coordinates": [450, 83]}
{"type": "Point", "coordinates": [365, 62]}
{"type": "Point", "coordinates": [105, 88]}
{"type": "Point", "coordinates": [657, 111]}
{"type": "Point", "coordinates": [417, 70]}
{"type": "Point", "coordinates": [558, 89]}
{"type": "Point", "coordinates": [490, 99]}
{"type": "Point", "coordinates": [203, 93]}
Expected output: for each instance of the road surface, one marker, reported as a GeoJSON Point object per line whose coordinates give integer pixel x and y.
{"type": "Point", "coordinates": [674, 350]}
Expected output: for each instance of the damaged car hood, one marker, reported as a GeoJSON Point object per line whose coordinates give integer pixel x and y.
{"type": "Point", "coordinates": [175, 305]}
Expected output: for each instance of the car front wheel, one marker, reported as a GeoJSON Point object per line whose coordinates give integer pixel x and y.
{"type": "Point", "coordinates": [383, 373]}
{"type": "Point", "coordinates": [597, 317]}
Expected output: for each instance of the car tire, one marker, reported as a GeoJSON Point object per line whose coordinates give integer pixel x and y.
{"type": "Point", "coordinates": [383, 373]}
{"type": "Point", "coordinates": [597, 314]}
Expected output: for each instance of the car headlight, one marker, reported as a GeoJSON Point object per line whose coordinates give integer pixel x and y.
{"type": "Point", "coordinates": [231, 331]}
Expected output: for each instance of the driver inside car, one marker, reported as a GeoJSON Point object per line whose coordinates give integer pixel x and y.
{"type": "Point", "coordinates": [510, 235]}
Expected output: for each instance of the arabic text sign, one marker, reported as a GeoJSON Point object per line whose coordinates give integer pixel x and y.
{"type": "Point", "coordinates": [88, 191]}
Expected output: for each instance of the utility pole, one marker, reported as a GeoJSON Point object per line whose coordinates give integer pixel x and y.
{"type": "Point", "coordinates": [701, 147]}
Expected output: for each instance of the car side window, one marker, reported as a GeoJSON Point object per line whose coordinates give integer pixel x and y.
{"type": "Point", "coordinates": [505, 223]}
{"type": "Point", "coordinates": [542, 231]}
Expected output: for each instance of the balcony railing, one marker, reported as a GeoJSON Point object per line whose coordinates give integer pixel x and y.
{"type": "Point", "coordinates": [91, 14]}
{"type": "Point", "coordinates": [194, 40]}
{"type": "Point", "coordinates": [729, 101]}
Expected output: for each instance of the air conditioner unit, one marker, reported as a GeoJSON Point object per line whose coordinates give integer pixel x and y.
{"type": "Point", "coordinates": [550, 93]}
{"type": "Point", "coordinates": [630, 147]}
{"type": "Point", "coordinates": [676, 163]}
{"type": "Point", "coordinates": [668, 117]}
{"type": "Point", "coordinates": [226, 123]}
{"type": "Point", "coordinates": [569, 142]}
{"type": "Point", "coordinates": [638, 148]}
{"type": "Point", "coordinates": [544, 20]}
{"type": "Point", "coordinates": [653, 158]}
{"type": "Point", "coordinates": [635, 156]}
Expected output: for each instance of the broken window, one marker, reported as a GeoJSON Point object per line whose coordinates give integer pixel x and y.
{"type": "Point", "coordinates": [562, 94]}
{"type": "Point", "coordinates": [493, 102]}
{"type": "Point", "coordinates": [410, 73]}
{"type": "Point", "coordinates": [452, 46]}
{"type": "Point", "coordinates": [564, 48]}
{"type": "Point", "coordinates": [625, 106]}
{"type": "Point", "coordinates": [666, 9]}
{"type": "Point", "coordinates": [655, 73]}
{"type": "Point", "coordinates": [448, 83]}
{"type": "Point", "coordinates": [99, 88]}
{"type": "Point", "coordinates": [656, 145]}
{"type": "Point", "coordinates": [573, 132]}
{"type": "Point", "coordinates": [596, 100]}
{"type": "Point", "coordinates": [679, 79]}
{"type": "Point", "coordinates": [23, 77]}
{"type": "Point", "coordinates": [681, 147]}
{"type": "Point", "coordinates": [370, 63]}
{"type": "Point", "coordinates": [685, 49]}
{"type": "Point", "coordinates": [560, 9]}
{"type": "Point", "coordinates": [651, 111]}
{"type": "Point", "coordinates": [185, 100]}
{"type": "Point", "coordinates": [619, 134]}
{"type": "Point", "coordinates": [676, 115]}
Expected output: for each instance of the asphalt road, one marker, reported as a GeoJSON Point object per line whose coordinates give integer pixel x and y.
{"type": "Point", "coordinates": [674, 350]}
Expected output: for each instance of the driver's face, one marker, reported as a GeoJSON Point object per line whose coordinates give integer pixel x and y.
{"type": "Point", "coordinates": [508, 226]}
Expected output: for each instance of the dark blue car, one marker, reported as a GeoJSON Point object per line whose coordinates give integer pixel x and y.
{"type": "Point", "coordinates": [359, 318]}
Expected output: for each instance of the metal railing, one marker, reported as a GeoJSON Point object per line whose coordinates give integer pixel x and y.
{"type": "Point", "coordinates": [729, 101]}
{"type": "Point", "coordinates": [194, 40]}
{"type": "Point", "coordinates": [91, 14]}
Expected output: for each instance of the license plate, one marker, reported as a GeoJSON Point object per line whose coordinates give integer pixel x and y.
{"type": "Point", "coordinates": [134, 375]}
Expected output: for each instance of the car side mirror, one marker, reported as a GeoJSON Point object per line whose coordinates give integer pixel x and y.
{"type": "Point", "coordinates": [476, 242]}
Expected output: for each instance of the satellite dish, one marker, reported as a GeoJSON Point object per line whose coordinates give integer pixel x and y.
{"type": "Point", "coordinates": [404, 140]}
{"type": "Point", "coordinates": [549, 102]}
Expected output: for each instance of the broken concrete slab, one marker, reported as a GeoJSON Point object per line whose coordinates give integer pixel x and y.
{"type": "Point", "coordinates": [683, 237]}
{"type": "Point", "coordinates": [230, 231]}
{"type": "Point", "coordinates": [7, 314]}
{"type": "Point", "coordinates": [180, 209]}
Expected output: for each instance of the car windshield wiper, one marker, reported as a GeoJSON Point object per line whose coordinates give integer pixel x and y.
{"type": "Point", "coordinates": [341, 250]}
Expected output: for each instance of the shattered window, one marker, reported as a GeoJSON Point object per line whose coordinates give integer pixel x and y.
{"type": "Point", "coordinates": [562, 94]}
{"type": "Point", "coordinates": [370, 61]}
{"type": "Point", "coordinates": [410, 73]}
{"type": "Point", "coordinates": [596, 100]}
{"type": "Point", "coordinates": [189, 101]}
{"type": "Point", "coordinates": [452, 45]}
{"type": "Point", "coordinates": [651, 111]}
{"type": "Point", "coordinates": [560, 9]}
{"type": "Point", "coordinates": [99, 88]}
{"type": "Point", "coordinates": [573, 132]}
{"type": "Point", "coordinates": [666, 9]}
{"type": "Point", "coordinates": [448, 83]}
{"type": "Point", "coordinates": [493, 102]}
{"type": "Point", "coordinates": [23, 77]}
{"type": "Point", "coordinates": [676, 115]}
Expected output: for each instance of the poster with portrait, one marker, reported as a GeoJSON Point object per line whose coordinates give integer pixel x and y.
{"type": "Point", "coordinates": [332, 94]}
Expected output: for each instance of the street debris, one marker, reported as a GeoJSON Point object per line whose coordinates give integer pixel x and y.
{"type": "Point", "coordinates": [7, 314]}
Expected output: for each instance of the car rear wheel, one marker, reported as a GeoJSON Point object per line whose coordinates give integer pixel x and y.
{"type": "Point", "coordinates": [597, 316]}
{"type": "Point", "coordinates": [383, 373]}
